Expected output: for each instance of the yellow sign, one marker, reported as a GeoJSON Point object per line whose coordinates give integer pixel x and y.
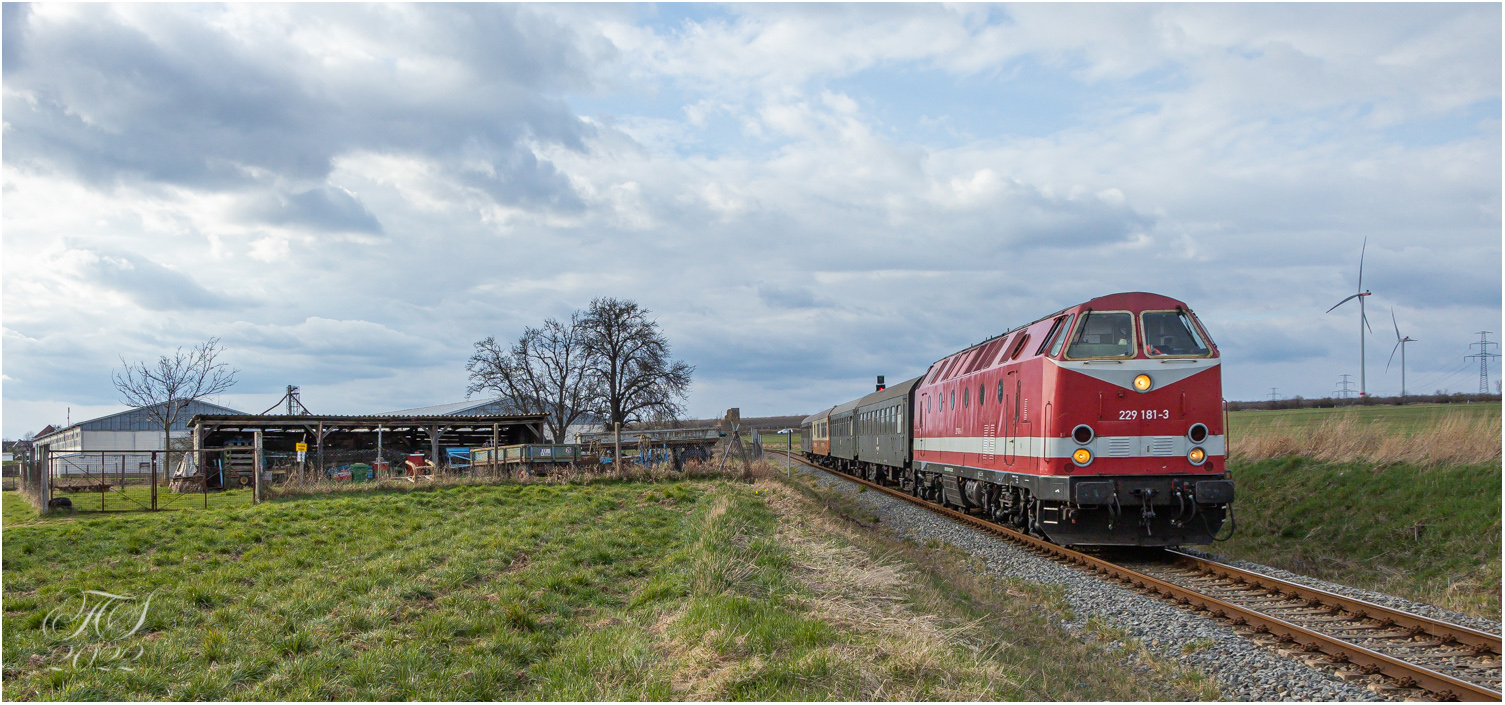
{"type": "Point", "coordinates": [302, 447]}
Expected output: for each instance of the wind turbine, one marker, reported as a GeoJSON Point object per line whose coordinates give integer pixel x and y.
{"type": "Point", "coordinates": [1401, 344]}
{"type": "Point", "coordinates": [1363, 319]}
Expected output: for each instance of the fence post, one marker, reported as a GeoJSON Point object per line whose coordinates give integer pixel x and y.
{"type": "Point", "coordinates": [256, 476]}
{"type": "Point", "coordinates": [44, 479]}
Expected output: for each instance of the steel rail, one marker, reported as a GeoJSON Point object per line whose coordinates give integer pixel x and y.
{"type": "Point", "coordinates": [1444, 686]}
{"type": "Point", "coordinates": [1480, 642]}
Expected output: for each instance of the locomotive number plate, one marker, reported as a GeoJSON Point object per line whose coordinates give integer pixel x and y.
{"type": "Point", "coordinates": [1144, 414]}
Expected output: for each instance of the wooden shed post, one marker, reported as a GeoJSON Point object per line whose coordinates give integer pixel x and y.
{"type": "Point", "coordinates": [198, 458]}
{"type": "Point", "coordinates": [258, 463]}
{"type": "Point", "coordinates": [434, 432]}
{"type": "Point", "coordinates": [495, 432]}
{"type": "Point", "coordinates": [616, 434]}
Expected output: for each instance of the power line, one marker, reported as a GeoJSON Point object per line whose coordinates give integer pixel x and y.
{"type": "Point", "coordinates": [1434, 377]}
{"type": "Point", "coordinates": [1484, 355]}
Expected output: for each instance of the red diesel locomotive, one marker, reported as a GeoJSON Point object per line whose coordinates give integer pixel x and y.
{"type": "Point", "coordinates": [1100, 424]}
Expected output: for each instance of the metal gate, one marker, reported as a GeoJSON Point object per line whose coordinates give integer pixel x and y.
{"type": "Point", "coordinates": [141, 480]}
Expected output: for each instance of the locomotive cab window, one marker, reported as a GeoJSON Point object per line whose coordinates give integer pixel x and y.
{"type": "Point", "coordinates": [1059, 339]}
{"type": "Point", "coordinates": [1103, 335]}
{"type": "Point", "coordinates": [1171, 334]}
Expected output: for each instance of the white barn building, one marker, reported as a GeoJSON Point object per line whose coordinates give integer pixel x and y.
{"type": "Point", "coordinates": [76, 449]}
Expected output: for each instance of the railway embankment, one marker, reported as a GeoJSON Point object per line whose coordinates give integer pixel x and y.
{"type": "Point", "coordinates": [1428, 534]}
{"type": "Point", "coordinates": [1402, 500]}
{"type": "Point", "coordinates": [1102, 610]}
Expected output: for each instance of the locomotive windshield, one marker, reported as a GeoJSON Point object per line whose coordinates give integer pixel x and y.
{"type": "Point", "coordinates": [1171, 334]}
{"type": "Point", "coordinates": [1103, 334]}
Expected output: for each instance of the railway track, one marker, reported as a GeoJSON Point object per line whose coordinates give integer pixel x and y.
{"type": "Point", "coordinates": [1354, 638]}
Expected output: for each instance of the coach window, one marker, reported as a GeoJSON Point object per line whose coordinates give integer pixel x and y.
{"type": "Point", "coordinates": [1171, 334]}
{"type": "Point", "coordinates": [1103, 335]}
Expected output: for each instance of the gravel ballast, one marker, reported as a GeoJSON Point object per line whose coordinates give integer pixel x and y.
{"type": "Point", "coordinates": [1242, 669]}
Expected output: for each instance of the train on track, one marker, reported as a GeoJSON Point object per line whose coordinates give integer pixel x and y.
{"type": "Point", "coordinates": [1101, 424]}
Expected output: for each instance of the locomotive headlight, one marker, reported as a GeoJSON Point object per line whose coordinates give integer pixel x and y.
{"type": "Point", "coordinates": [1142, 383]}
{"type": "Point", "coordinates": [1082, 456]}
{"type": "Point", "coordinates": [1197, 456]}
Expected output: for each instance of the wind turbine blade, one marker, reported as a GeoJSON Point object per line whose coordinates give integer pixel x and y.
{"type": "Point", "coordinates": [1361, 263]}
{"type": "Point", "coordinates": [1392, 355]}
{"type": "Point", "coordinates": [1366, 323]}
{"type": "Point", "coordinates": [1393, 323]}
{"type": "Point", "coordinates": [1344, 301]}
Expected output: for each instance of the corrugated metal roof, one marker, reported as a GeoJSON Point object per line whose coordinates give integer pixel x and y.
{"type": "Point", "coordinates": [489, 407]}
{"type": "Point", "coordinates": [140, 419]}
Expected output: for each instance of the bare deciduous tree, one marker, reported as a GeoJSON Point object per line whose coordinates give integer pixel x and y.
{"type": "Point", "coordinates": [631, 363]}
{"type": "Point", "coordinates": [547, 371]}
{"type": "Point", "coordinates": [166, 389]}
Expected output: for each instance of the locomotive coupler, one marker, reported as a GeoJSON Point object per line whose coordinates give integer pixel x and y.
{"type": "Point", "coordinates": [1146, 507]}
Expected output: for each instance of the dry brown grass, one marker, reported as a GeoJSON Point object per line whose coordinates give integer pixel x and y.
{"type": "Point", "coordinates": [1446, 440]}
{"type": "Point", "coordinates": [894, 647]}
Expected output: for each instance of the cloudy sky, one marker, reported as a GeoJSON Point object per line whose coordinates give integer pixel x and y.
{"type": "Point", "coordinates": [349, 196]}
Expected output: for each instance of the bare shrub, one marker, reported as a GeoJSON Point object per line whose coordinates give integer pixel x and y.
{"type": "Point", "coordinates": [1445, 440]}
{"type": "Point", "coordinates": [559, 475]}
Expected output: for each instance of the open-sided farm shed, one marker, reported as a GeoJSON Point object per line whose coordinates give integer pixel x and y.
{"type": "Point", "coordinates": [333, 440]}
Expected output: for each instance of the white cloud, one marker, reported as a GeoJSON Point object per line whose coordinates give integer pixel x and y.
{"type": "Point", "coordinates": [349, 196]}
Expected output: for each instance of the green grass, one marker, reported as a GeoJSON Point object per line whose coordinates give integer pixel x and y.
{"type": "Point", "coordinates": [1357, 524]}
{"type": "Point", "coordinates": [1403, 419]}
{"type": "Point", "coordinates": [14, 509]}
{"type": "Point", "coordinates": [602, 591]}
{"type": "Point", "coordinates": [137, 498]}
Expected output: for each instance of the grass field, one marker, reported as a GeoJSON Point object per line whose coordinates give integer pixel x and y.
{"type": "Point", "coordinates": [1438, 435]}
{"type": "Point", "coordinates": [707, 589]}
{"type": "Point", "coordinates": [776, 441]}
{"type": "Point", "coordinates": [1401, 419]}
{"type": "Point", "coordinates": [138, 497]}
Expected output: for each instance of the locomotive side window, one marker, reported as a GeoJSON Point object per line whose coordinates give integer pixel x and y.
{"type": "Point", "coordinates": [1103, 334]}
{"type": "Point", "coordinates": [981, 394]}
{"type": "Point", "coordinates": [1060, 338]}
{"type": "Point", "coordinates": [1055, 329]}
{"type": "Point", "coordinates": [965, 404]}
{"type": "Point", "coordinates": [1171, 334]}
{"type": "Point", "coordinates": [1000, 391]}
{"type": "Point", "coordinates": [953, 399]}
{"type": "Point", "coordinates": [1019, 345]}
